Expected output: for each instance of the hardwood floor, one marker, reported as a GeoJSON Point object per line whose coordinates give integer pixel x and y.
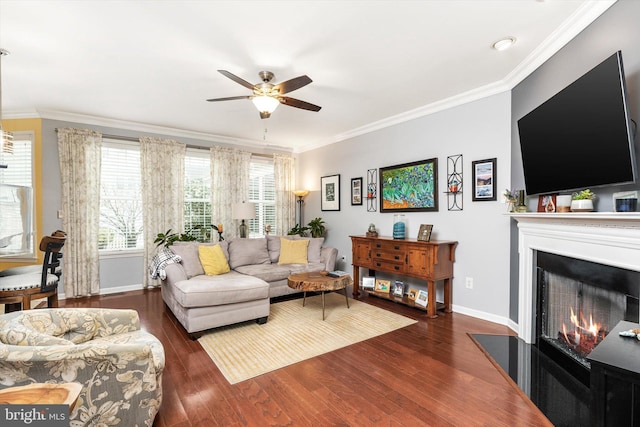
{"type": "Point", "coordinates": [430, 373]}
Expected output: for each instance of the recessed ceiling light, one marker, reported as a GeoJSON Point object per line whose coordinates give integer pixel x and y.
{"type": "Point", "coordinates": [504, 43]}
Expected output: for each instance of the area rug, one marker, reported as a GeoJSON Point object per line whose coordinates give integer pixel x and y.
{"type": "Point", "coordinates": [295, 333]}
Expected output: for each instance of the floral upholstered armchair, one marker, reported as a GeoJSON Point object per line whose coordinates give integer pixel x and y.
{"type": "Point", "coordinates": [118, 364]}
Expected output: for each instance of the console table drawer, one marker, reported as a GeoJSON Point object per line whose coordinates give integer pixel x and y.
{"type": "Point", "coordinates": [388, 246]}
{"type": "Point", "coordinates": [392, 267]}
{"type": "Point", "coordinates": [381, 255]}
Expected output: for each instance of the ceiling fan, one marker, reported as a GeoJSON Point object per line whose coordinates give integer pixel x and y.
{"type": "Point", "coordinates": [267, 96]}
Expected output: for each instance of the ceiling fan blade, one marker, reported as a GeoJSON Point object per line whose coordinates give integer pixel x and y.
{"type": "Point", "coordinates": [292, 102]}
{"type": "Point", "coordinates": [229, 98]}
{"type": "Point", "coordinates": [236, 79]}
{"type": "Point", "coordinates": [293, 84]}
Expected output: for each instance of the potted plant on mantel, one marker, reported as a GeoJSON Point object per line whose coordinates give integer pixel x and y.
{"type": "Point", "coordinates": [582, 201]}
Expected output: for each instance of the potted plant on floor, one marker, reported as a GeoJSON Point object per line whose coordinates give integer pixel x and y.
{"type": "Point", "coordinates": [582, 201]}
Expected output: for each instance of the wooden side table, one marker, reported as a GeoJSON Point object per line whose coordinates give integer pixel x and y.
{"type": "Point", "coordinates": [319, 282]}
{"type": "Point", "coordinates": [42, 394]}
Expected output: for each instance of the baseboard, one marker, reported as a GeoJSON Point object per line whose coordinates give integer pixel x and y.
{"type": "Point", "coordinates": [489, 317]}
{"type": "Point", "coordinates": [114, 290]}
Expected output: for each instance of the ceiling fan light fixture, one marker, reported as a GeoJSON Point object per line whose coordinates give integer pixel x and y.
{"type": "Point", "coordinates": [265, 104]}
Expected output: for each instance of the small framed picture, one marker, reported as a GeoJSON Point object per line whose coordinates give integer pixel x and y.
{"type": "Point", "coordinates": [383, 285]}
{"type": "Point", "coordinates": [330, 193]}
{"type": "Point", "coordinates": [424, 235]}
{"type": "Point", "coordinates": [413, 293]}
{"type": "Point", "coordinates": [398, 288]}
{"type": "Point", "coordinates": [421, 298]}
{"type": "Point", "coordinates": [547, 203]}
{"type": "Point", "coordinates": [368, 283]}
{"type": "Point", "coordinates": [356, 191]}
{"type": "Point", "coordinates": [484, 180]}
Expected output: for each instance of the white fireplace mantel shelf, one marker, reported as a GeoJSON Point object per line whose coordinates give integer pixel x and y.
{"type": "Point", "coordinates": [610, 238]}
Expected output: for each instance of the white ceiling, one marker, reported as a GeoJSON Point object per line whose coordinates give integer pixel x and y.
{"type": "Point", "coordinates": [149, 65]}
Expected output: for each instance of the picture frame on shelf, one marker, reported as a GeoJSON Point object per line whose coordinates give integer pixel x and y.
{"type": "Point", "coordinates": [413, 293]}
{"type": "Point", "coordinates": [356, 191]}
{"type": "Point", "coordinates": [330, 193]}
{"type": "Point", "coordinates": [383, 285]}
{"type": "Point", "coordinates": [398, 288]}
{"type": "Point", "coordinates": [422, 298]}
{"type": "Point", "coordinates": [424, 235]}
{"type": "Point", "coordinates": [368, 283]}
{"type": "Point", "coordinates": [409, 187]}
{"type": "Point", "coordinates": [547, 203]}
{"type": "Point", "coordinates": [484, 180]}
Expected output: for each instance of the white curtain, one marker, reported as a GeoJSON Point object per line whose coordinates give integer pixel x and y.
{"type": "Point", "coordinates": [79, 153]}
{"type": "Point", "coordinates": [229, 185]}
{"type": "Point", "coordinates": [284, 175]}
{"type": "Point", "coordinates": [162, 167]}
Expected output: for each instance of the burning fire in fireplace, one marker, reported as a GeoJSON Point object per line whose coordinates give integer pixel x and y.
{"type": "Point", "coordinates": [582, 336]}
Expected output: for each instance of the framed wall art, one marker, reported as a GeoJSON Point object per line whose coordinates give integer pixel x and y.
{"type": "Point", "coordinates": [484, 180]}
{"type": "Point", "coordinates": [409, 187]}
{"type": "Point", "coordinates": [330, 193]}
{"type": "Point", "coordinates": [356, 191]}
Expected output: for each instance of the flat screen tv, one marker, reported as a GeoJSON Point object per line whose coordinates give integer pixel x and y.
{"type": "Point", "coordinates": [581, 137]}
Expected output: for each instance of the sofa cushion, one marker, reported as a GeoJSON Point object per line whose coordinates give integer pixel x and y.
{"type": "Point", "coordinates": [293, 251]}
{"type": "Point", "coordinates": [213, 260]}
{"type": "Point", "coordinates": [267, 272]}
{"type": "Point", "coordinates": [247, 252]}
{"type": "Point", "coordinates": [314, 250]}
{"type": "Point", "coordinates": [233, 287]}
{"type": "Point", "coordinates": [190, 258]}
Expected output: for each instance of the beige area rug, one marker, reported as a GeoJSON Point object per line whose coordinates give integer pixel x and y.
{"type": "Point", "coordinates": [295, 333]}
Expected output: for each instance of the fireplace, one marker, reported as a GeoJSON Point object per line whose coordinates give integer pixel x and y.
{"type": "Point", "coordinates": [605, 238]}
{"type": "Point", "coordinates": [578, 303]}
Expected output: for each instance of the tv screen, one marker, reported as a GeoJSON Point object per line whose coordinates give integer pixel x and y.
{"type": "Point", "coordinates": [580, 137]}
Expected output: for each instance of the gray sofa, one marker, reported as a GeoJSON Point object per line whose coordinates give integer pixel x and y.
{"type": "Point", "coordinates": [257, 274]}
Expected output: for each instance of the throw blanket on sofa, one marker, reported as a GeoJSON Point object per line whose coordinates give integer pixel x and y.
{"type": "Point", "coordinates": [160, 261]}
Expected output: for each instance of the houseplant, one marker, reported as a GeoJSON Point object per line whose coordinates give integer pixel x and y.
{"type": "Point", "coordinates": [582, 201]}
{"type": "Point", "coordinates": [299, 230]}
{"type": "Point", "coordinates": [197, 233]}
{"type": "Point", "coordinates": [316, 227]}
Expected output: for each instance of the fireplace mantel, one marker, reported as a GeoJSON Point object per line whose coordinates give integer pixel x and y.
{"type": "Point", "coordinates": [610, 238]}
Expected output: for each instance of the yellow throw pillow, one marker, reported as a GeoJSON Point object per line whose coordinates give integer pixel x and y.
{"type": "Point", "coordinates": [293, 251]}
{"type": "Point", "coordinates": [213, 260]}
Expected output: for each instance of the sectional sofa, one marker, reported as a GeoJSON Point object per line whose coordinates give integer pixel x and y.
{"type": "Point", "coordinates": [241, 278]}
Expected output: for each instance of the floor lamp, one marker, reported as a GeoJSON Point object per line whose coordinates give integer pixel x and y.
{"type": "Point", "coordinates": [300, 194]}
{"type": "Point", "coordinates": [243, 211]}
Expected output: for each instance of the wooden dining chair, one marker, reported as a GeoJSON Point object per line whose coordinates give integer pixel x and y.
{"type": "Point", "coordinates": [20, 286]}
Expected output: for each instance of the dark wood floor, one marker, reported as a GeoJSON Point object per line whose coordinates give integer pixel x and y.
{"type": "Point", "coordinates": [430, 373]}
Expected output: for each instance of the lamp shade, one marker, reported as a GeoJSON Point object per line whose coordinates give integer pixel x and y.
{"type": "Point", "coordinates": [265, 103]}
{"type": "Point", "coordinates": [243, 210]}
{"type": "Point", "coordinates": [301, 193]}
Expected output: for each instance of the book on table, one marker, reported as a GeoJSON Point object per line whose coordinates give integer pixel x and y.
{"type": "Point", "coordinates": [337, 273]}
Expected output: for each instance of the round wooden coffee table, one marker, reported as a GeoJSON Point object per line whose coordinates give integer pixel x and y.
{"type": "Point", "coordinates": [319, 282]}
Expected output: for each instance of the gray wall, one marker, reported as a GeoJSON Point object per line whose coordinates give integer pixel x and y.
{"type": "Point", "coordinates": [616, 29]}
{"type": "Point", "coordinates": [477, 130]}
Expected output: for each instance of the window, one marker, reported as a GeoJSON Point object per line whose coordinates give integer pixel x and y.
{"type": "Point", "coordinates": [120, 197]}
{"type": "Point", "coordinates": [17, 225]}
{"type": "Point", "coordinates": [262, 192]}
{"type": "Point", "coordinates": [197, 191]}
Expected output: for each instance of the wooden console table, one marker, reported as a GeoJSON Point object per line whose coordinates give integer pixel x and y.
{"type": "Point", "coordinates": [429, 261]}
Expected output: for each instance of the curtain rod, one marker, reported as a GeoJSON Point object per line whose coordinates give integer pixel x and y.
{"type": "Point", "coordinates": [198, 147]}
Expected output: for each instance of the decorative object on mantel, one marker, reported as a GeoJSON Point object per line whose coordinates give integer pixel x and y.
{"type": "Point", "coordinates": [371, 231]}
{"type": "Point", "coordinates": [626, 201]}
{"type": "Point", "coordinates": [522, 202]}
{"type": "Point", "coordinates": [510, 198]}
{"type": "Point", "coordinates": [563, 203]}
{"type": "Point", "coordinates": [547, 203]}
{"type": "Point", "coordinates": [454, 183]}
{"type": "Point", "coordinates": [582, 201]}
{"type": "Point", "coordinates": [399, 226]}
